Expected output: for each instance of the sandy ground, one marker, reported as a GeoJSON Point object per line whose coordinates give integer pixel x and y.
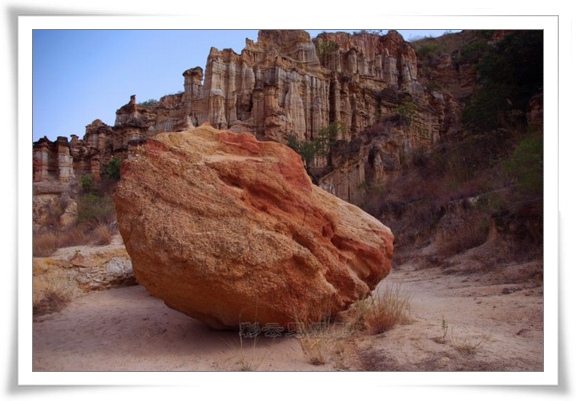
{"type": "Point", "coordinates": [461, 320]}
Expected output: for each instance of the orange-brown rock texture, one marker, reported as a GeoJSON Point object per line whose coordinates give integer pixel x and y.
{"type": "Point", "coordinates": [228, 229]}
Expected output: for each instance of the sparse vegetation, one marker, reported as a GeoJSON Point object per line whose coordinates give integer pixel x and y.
{"type": "Point", "coordinates": [321, 342]}
{"type": "Point", "coordinates": [497, 173]}
{"type": "Point", "coordinates": [444, 330]}
{"type": "Point", "coordinates": [407, 111]}
{"type": "Point", "coordinates": [383, 310]}
{"type": "Point", "coordinates": [526, 165]}
{"type": "Point", "coordinates": [431, 50]}
{"type": "Point", "coordinates": [247, 358]}
{"type": "Point", "coordinates": [465, 233]}
{"type": "Point", "coordinates": [314, 337]}
{"type": "Point", "coordinates": [149, 103]}
{"type": "Point", "coordinates": [319, 146]}
{"type": "Point", "coordinates": [508, 76]}
{"type": "Point", "coordinates": [324, 342]}
{"type": "Point", "coordinates": [98, 209]}
{"type": "Point", "coordinates": [96, 216]}
{"type": "Point", "coordinates": [102, 234]}
{"type": "Point", "coordinates": [52, 301]}
{"type": "Point", "coordinates": [471, 52]}
{"type": "Point", "coordinates": [112, 168]}
{"type": "Point", "coordinates": [87, 183]}
{"type": "Point", "coordinates": [95, 204]}
{"type": "Point", "coordinates": [325, 48]}
{"type": "Point", "coordinates": [468, 344]}
{"type": "Point", "coordinates": [316, 348]}
{"type": "Point", "coordinates": [45, 244]}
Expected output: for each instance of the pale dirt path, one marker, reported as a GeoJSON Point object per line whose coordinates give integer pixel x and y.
{"type": "Point", "coordinates": [125, 329]}
{"type": "Point", "coordinates": [488, 326]}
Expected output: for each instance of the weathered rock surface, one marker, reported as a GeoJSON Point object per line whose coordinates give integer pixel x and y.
{"type": "Point", "coordinates": [75, 271]}
{"type": "Point", "coordinates": [227, 229]}
{"type": "Point", "coordinates": [283, 84]}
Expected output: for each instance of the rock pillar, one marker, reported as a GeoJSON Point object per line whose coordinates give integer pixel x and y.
{"type": "Point", "coordinates": [65, 169]}
{"type": "Point", "coordinates": [40, 163]}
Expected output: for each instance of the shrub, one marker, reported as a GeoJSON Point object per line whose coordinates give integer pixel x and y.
{"type": "Point", "coordinates": [325, 48]}
{"type": "Point", "coordinates": [319, 146]}
{"type": "Point", "coordinates": [87, 183]}
{"type": "Point", "coordinates": [149, 103]}
{"type": "Point", "coordinates": [434, 86]}
{"type": "Point", "coordinates": [430, 51]}
{"type": "Point", "coordinates": [407, 111]}
{"type": "Point", "coordinates": [112, 168]}
{"type": "Point", "coordinates": [509, 74]}
{"type": "Point", "coordinates": [471, 52]}
{"type": "Point", "coordinates": [526, 164]}
{"type": "Point", "coordinates": [306, 149]}
{"type": "Point", "coordinates": [328, 135]}
{"type": "Point", "coordinates": [96, 212]}
{"type": "Point", "coordinates": [96, 208]}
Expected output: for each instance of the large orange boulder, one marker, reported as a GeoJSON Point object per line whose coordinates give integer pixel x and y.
{"type": "Point", "coordinates": [228, 230]}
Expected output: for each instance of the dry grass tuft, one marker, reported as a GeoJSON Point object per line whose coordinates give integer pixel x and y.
{"type": "Point", "coordinates": [314, 339]}
{"type": "Point", "coordinates": [323, 342]}
{"type": "Point", "coordinates": [102, 234]}
{"type": "Point", "coordinates": [382, 311]}
{"type": "Point", "coordinates": [76, 235]}
{"type": "Point", "coordinates": [316, 349]}
{"type": "Point", "coordinates": [54, 300]}
{"type": "Point", "coordinates": [319, 338]}
{"type": "Point", "coordinates": [44, 244]}
{"type": "Point", "coordinates": [469, 345]}
{"type": "Point", "coordinates": [247, 358]}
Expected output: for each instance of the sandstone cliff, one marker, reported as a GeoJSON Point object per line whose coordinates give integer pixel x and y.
{"type": "Point", "coordinates": [287, 84]}
{"type": "Point", "coordinates": [284, 84]}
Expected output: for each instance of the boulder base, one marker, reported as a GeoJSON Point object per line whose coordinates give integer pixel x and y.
{"type": "Point", "coordinates": [228, 230]}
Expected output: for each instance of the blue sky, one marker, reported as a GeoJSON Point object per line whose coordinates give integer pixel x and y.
{"type": "Point", "coordinates": [83, 75]}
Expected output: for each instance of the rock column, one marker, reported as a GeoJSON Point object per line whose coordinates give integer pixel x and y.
{"type": "Point", "coordinates": [40, 162]}
{"type": "Point", "coordinates": [65, 170]}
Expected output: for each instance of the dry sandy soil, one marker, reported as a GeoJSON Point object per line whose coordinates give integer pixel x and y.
{"type": "Point", "coordinates": [464, 317]}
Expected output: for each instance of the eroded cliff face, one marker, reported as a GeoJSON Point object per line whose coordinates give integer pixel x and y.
{"type": "Point", "coordinates": [284, 84]}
